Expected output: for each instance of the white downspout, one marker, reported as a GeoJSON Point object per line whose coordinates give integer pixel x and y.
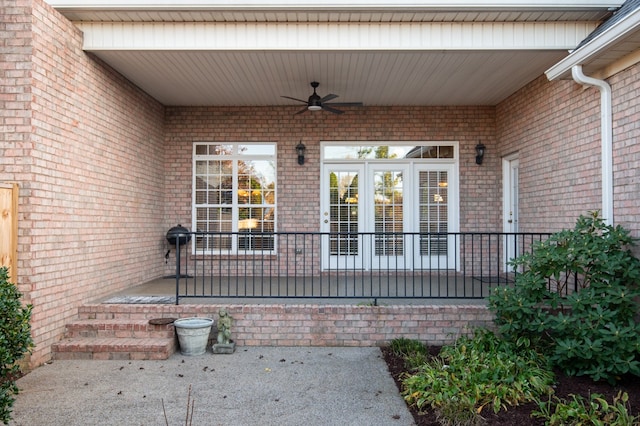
{"type": "Point", "coordinates": [606, 131]}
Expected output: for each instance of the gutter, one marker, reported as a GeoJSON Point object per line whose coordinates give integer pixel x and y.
{"type": "Point", "coordinates": [606, 132]}
{"type": "Point", "coordinates": [626, 27]}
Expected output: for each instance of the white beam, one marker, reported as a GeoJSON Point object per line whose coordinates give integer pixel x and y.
{"type": "Point", "coordinates": [336, 5]}
{"type": "Point", "coordinates": [333, 36]}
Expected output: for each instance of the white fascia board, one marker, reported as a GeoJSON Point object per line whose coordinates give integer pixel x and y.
{"type": "Point", "coordinates": [335, 5]}
{"type": "Point", "coordinates": [100, 36]}
{"type": "Point", "coordinates": [593, 48]}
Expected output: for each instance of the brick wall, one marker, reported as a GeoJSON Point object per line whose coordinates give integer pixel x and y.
{"type": "Point", "coordinates": [298, 186]}
{"type": "Point", "coordinates": [15, 96]}
{"type": "Point", "coordinates": [15, 105]}
{"type": "Point", "coordinates": [555, 129]}
{"type": "Point", "coordinates": [313, 325]}
{"type": "Point", "coordinates": [626, 149]}
{"type": "Point", "coordinates": [88, 156]}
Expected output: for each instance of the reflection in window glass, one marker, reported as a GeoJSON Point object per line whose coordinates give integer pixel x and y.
{"type": "Point", "coordinates": [344, 209]}
{"type": "Point", "coordinates": [433, 190]}
{"type": "Point", "coordinates": [387, 152]}
{"type": "Point", "coordinates": [257, 149]}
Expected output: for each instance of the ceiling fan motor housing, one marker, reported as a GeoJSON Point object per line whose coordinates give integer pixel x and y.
{"type": "Point", "coordinates": [314, 103]}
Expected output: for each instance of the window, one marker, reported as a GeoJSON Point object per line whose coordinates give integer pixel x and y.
{"type": "Point", "coordinates": [386, 152]}
{"type": "Point", "coordinates": [234, 194]}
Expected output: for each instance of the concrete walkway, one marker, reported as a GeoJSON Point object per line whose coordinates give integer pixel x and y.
{"type": "Point", "coordinates": [254, 386]}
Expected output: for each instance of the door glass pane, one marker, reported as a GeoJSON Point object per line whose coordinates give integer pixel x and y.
{"type": "Point", "coordinates": [383, 152]}
{"type": "Point", "coordinates": [433, 197]}
{"type": "Point", "coordinates": [343, 212]}
{"type": "Point", "coordinates": [388, 214]}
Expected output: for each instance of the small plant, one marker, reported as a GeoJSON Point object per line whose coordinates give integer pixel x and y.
{"type": "Point", "coordinates": [414, 353]}
{"type": "Point", "coordinates": [594, 412]}
{"type": "Point", "coordinates": [474, 374]}
{"type": "Point", "coordinates": [578, 296]}
{"type": "Point", "coordinates": [15, 341]}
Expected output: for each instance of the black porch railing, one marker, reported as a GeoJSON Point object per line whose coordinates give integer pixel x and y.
{"type": "Point", "coordinates": [369, 266]}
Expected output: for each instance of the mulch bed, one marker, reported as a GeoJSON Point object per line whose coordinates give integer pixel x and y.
{"type": "Point", "coordinates": [521, 415]}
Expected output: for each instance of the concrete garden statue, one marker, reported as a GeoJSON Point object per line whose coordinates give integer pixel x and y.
{"type": "Point", "coordinates": [225, 345]}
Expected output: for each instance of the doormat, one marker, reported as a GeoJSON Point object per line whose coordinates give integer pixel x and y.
{"type": "Point", "coordinates": [494, 279]}
{"type": "Point", "coordinates": [149, 300]}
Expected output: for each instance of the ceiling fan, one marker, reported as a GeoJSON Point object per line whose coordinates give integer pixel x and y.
{"type": "Point", "coordinates": [316, 103]}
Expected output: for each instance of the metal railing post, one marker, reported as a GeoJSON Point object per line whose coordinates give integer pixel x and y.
{"type": "Point", "coordinates": [178, 269]}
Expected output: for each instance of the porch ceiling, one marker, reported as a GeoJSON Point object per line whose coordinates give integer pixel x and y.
{"type": "Point", "coordinates": [250, 54]}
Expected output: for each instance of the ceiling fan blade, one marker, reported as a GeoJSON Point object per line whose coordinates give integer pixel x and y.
{"type": "Point", "coordinates": [301, 111]}
{"type": "Point", "coordinates": [333, 110]}
{"type": "Point", "coordinates": [328, 97]}
{"type": "Point", "coordinates": [346, 103]}
{"type": "Point", "coordinates": [294, 99]}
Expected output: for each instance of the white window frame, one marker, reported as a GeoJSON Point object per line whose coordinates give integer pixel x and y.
{"type": "Point", "coordinates": [235, 157]}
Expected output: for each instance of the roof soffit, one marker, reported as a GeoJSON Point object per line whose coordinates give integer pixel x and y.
{"type": "Point", "coordinates": [378, 52]}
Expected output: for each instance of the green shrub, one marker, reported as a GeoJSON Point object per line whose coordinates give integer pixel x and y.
{"type": "Point", "coordinates": [595, 412]}
{"type": "Point", "coordinates": [474, 374]}
{"type": "Point", "coordinates": [578, 297]}
{"type": "Point", "coordinates": [15, 341]}
{"type": "Point", "coordinates": [414, 353]}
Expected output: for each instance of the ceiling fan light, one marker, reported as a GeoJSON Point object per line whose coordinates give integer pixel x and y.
{"type": "Point", "coordinates": [314, 107]}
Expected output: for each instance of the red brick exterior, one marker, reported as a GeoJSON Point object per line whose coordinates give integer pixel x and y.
{"type": "Point", "coordinates": [86, 147]}
{"type": "Point", "coordinates": [104, 170]}
{"type": "Point", "coordinates": [299, 186]}
{"type": "Point", "coordinates": [298, 196]}
{"type": "Point", "coordinates": [314, 325]}
{"type": "Point", "coordinates": [555, 128]}
{"type": "Point", "coordinates": [626, 149]}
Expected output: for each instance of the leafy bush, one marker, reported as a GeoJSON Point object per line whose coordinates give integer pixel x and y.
{"type": "Point", "coordinates": [413, 352]}
{"type": "Point", "coordinates": [595, 412]}
{"type": "Point", "coordinates": [478, 373]}
{"type": "Point", "coordinates": [578, 296]}
{"type": "Point", "coordinates": [15, 341]}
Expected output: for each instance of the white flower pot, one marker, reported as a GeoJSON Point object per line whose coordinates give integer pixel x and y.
{"type": "Point", "coordinates": [193, 335]}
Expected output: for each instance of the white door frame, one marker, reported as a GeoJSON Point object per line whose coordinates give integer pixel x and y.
{"type": "Point", "coordinates": [510, 204]}
{"type": "Point", "coordinates": [341, 261]}
{"type": "Point", "coordinates": [365, 256]}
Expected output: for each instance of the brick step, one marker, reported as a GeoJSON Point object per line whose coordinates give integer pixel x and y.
{"type": "Point", "coordinates": [121, 328]}
{"type": "Point", "coordinates": [112, 348]}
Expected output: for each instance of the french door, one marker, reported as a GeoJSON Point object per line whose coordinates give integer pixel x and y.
{"type": "Point", "coordinates": [384, 215]}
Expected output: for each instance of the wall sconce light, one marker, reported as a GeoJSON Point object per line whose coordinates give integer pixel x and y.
{"type": "Point", "coordinates": [480, 148]}
{"type": "Point", "coordinates": [300, 149]}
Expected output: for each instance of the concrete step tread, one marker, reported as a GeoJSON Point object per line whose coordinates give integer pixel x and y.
{"type": "Point", "coordinates": [116, 323]}
{"type": "Point", "coordinates": [114, 344]}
